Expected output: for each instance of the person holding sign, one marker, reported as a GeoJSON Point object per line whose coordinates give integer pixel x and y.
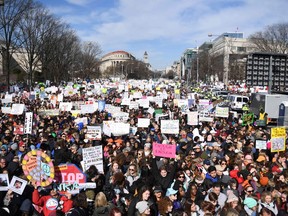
{"type": "Point", "coordinates": [52, 202]}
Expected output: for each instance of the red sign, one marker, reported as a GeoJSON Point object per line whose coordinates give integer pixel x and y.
{"type": "Point", "coordinates": [18, 129]}
{"type": "Point", "coordinates": [69, 173]}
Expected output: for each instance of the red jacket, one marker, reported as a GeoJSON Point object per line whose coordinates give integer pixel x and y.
{"type": "Point", "coordinates": [50, 204]}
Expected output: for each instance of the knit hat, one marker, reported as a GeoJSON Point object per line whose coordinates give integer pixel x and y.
{"type": "Point", "coordinates": [4, 147]}
{"type": "Point", "coordinates": [250, 202]}
{"type": "Point", "coordinates": [276, 169]}
{"type": "Point", "coordinates": [231, 197]}
{"type": "Point", "coordinates": [264, 180]}
{"type": "Point", "coordinates": [236, 175]}
{"type": "Point", "coordinates": [142, 206]}
{"type": "Point", "coordinates": [219, 168]}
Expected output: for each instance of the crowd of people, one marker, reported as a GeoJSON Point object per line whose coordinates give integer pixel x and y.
{"type": "Point", "coordinates": [217, 169]}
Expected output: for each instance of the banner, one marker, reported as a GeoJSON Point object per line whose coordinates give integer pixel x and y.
{"type": "Point", "coordinates": [192, 118]}
{"type": "Point", "coordinates": [28, 123]}
{"type": "Point", "coordinates": [143, 122]}
{"type": "Point", "coordinates": [93, 156]}
{"type": "Point", "coordinates": [164, 150]}
{"type": "Point", "coordinates": [222, 112]}
{"type": "Point", "coordinates": [278, 138]}
{"type": "Point", "coordinates": [170, 126]}
{"type": "Point", "coordinates": [93, 133]}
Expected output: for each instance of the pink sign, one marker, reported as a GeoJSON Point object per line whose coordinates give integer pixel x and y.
{"type": "Point", "coordinates": [164, 150]}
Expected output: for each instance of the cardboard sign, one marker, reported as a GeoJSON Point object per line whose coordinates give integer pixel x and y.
{"type": "Point", "coordinates": [69, 173]}
{"type": "Point", "coordinates": [93, 156]}
{"type": "Point", "coordinates": [164, 150]}
{"type": "Point", "coordinates": [18, 129]}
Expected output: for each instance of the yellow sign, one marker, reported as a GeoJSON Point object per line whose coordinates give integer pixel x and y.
{"type": "Point", "coordinates": [278, 132]}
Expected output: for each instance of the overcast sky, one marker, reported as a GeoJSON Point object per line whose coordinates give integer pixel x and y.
{"type": "Point", "coordinates": [164, 28]}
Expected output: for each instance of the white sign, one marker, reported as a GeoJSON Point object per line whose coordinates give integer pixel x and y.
{"type": "Point", "coordinates": [93, 156]}
{"type": "Point", "coordinates": [93, 132]}
{"type": "Point", "coordinates": [120, 116]}
{"type": "Point", "coordinates": [261, 144]}
{"type": "Point", "coordinates": [143, 122]}
{"type": "Point", "coordinates": [107, 127]}
{"type": "Point", "coordinates": [28, 123]}
{"type": "Point", "coordinates": [170, 126]}
{"type": "Point", "coordinates": [17, 109]}
{"type": "Point", "coordinates": [65, 106]}
{"type": "Point", "coordinates": [119, 128]}
{"type": "Point", "coordinates": [87, 108]}
{"type": "Point", "coordinates": [17, 185]}
{"type": "Point", "coordinates": [158, 101]}
{"type": "Point", "coordinates": [192, 118]}
{"type": "Point", "coordinates": [133, 105]}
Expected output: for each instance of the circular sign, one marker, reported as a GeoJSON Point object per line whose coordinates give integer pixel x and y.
{"type": "Point", "coordinates": [38, 168]}
{"type": "Point", "coordinates": [52, 204]}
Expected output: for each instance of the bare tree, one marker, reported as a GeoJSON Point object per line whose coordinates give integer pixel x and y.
{"type": "Point", "coordinates": [10, 16]}
{"type": "Point", "coordinates": [32, 29]}
{"type": "Point", "coordinates": [89, 60]}
{"type": "Point", "coordinates": [273, 39]}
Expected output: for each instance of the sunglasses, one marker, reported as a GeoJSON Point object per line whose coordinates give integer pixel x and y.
{"type": "Point", "coordinates": [181, 177]}
{"type": "Point", "coordinates": [131, 169]}
{"type": "Point", "coordinates": [251, 191]}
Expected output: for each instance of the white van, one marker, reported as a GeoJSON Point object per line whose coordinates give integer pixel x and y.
{"type": "Point", "coordinates": [237, 101]}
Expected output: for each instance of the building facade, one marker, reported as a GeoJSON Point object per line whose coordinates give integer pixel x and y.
{"type": "Point", "coordinates": [115, 60]}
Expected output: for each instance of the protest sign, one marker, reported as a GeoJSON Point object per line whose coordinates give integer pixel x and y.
{"type": "Point", "coordinates": [192, 118]}
{"type": "Point", "coordinates": [247, 119]}
{"type": "Point", "coordinates": [261, 144]}
{"type": "Point", "coordinates": [28, 123]}
{"type": "Point", "coordinates": [120, 116]}
{"type": "Point", "coordinates": [205, 117]}
{"type": "Point", "coordinates": [120, 128]}
{"type": "Point", "coordinates": [87, 108]}
{"type": "Point", "coordinates": [69, 173]}
{"type": "Point", "coordinates": [65, 106]}
{"type": "Point", "coordinates": [38, 168]}
{"type": "Point", "coordinates": [164, 150]}
{"type": "Point", "coordinates": [143, 122]}
{"type": "Point", "coordinates": [278, 138]}
{"type": "Point", "coordinates": [106, 126]}
{"type": "Point", "coordinates": [158, 101]}
{"type": "Point", "coordinates": [93, 156]}
{"type": "Point", "coordinates": [133, 105]}
{"type": "Point", "coordinates": [170, 126]}
{"type": "Point", "coordinates": [48, 112]}
{"type": "Point", "coordinates": [101, 105]}
{"type": "Point", "coordinates": [183, 105]}
{"type": "Point", "coordinates": [4, 182]}
{"type": "Point", "coordinates": [18, 129]}
{"type": "Point", "coordinates": [222, 112]}
{"type": "Point", "coordinates": [17, 185]}
{"type": "Point", "coordinates": [17, 109]}
{"type": "Point", "coordinates": [93, 133]}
